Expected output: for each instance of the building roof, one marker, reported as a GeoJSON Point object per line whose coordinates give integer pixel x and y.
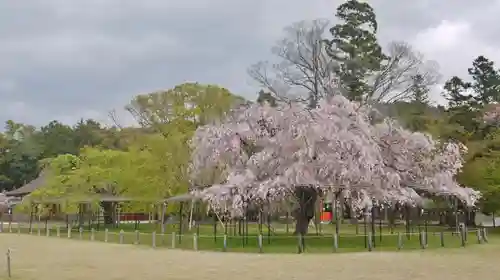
{"type": "Point", "coordinates": [79, 198]}
{"type": "Point", "coordinates": [111, 198]}
{"type": "Point", "coordinates": [40, 181]}
{"type": "Point", "coordinates": [29, 187]}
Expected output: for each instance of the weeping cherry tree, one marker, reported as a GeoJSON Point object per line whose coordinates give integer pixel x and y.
{"type": "Point", "coordinates": [261, 154]}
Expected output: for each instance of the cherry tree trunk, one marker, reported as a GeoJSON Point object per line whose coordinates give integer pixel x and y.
{"type": "Point", "coordinates": [392, 214]}
{"type": "Point", "coordinates": [306, 198]}
{"type": "Point", "coordinates": [471, 219]}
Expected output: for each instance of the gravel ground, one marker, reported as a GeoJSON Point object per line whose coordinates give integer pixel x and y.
{"type": "Point", "coordinates": [43, 258]}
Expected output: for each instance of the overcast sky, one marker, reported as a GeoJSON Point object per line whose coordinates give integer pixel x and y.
{"type": "Point", "coordinates": [67, 59]}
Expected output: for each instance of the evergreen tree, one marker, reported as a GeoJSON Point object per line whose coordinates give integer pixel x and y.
{"type": "Point", "coordinates": [354, 45]}
{"type": "Point", "coordinates": [486, 81]}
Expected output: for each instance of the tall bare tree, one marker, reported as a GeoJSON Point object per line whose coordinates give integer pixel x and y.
{"type": "Point", "coordinates": [304, 70]}
{"type": "Point", "coordinates": [395, 80]}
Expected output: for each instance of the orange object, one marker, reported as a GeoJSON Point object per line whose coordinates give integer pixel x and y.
{"type": "Point", "coordinates": [326, 217]}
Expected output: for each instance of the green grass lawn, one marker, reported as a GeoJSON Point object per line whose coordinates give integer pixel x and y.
{"type": "Point", "coordinates": [275, 241]}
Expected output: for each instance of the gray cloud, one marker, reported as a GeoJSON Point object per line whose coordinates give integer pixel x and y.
{"type": "Point", "coordinates": [68, 59]}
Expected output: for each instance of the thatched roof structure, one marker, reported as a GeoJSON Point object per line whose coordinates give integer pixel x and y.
{"type": "Point", "coordinates": [81, 198]}
{"type": "Point", "coordinates": [73, 198]}
{"type": "Point", "coordinates": [29, 187]}
{"type": "Point", "coordinates": [111, 198]}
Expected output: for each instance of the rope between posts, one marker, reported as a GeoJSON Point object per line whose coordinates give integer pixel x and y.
{"type": "Point", "coordinates": [345, 235]}
{"type": "Point", "coordinates": [264, 234]}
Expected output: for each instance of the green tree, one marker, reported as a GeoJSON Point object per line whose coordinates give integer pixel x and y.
{"type": "Point", "coordinates": [420, 91]}
{"type": "Point", "coordinates": [189, 103]}
{"type": "Point", "coordinates": [482, 171]}
{"type": "Point", "coordinates": [354, 45]}
{"type": "Point", "coordinates": [18, 131]}
{"type": "Point", "coordinates": [486, 81]}
{"type": "Point", "coordinates": [467, 100]}
{"type": "Point", "coordinates": [455, 91]}
{"type": "Point", "coordinates": [57, 182]}
{"type": "Point", "coordinates": [153, 167]}
{"type": "Point", "coordinates": [419, 106]}
{"type": "Point", "coordinates": [19, 154]}
{"type": "Point", "coordinates": [88, 133]}
{"type": "Point", "coordinates": [57, 138]}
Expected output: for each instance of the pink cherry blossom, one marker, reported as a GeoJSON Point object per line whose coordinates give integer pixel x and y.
{"type": "Point", "coordinates": [262, 154]}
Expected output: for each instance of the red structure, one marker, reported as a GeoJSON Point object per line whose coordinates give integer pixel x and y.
{"type": "Point", "coordinates": [326, 215]}
{"type": "Point", "coordinates": [134, 217]}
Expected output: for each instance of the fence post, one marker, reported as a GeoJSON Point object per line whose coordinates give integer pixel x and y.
{"type": "Point", "coordinates": [400, 241]}
{"type": "Point", "coordinates": [466, 232]}
{"type": "Point", "coordinates": [225, 243]}
{"type": "Point", "coordinates": [335, 242]}
{"type": "Point", "coordinates": [58, 231]}
{"type": "Point", "coordinates": [441, 237]}
{"type": "Point", "coordinates": [106, 234]}
{"type": "Point", "coordinates": [173, 240]}
{"type": "Point", "coordinates": [121, 236]}
{"type": "Point", "coordinates": [81, 233]}
{"type": "Point", "coordinates": [18, 228]}
{"type": "Point", "coordinates": [39, 232]}
{"type": "Point", "coordinates": [10, 226]}
{"type": "Point", "coordinates": [485, 235]}
{"type": "Point", "coordinates": [9, 271]}
{"type": "Point", "coordinates": [69, 232]}
{"type": "Point", "coordinates": [462, 238]}
{"type": "Point", "coordinates": [1, 226]}
{"type": "Point", "coordinates": [300, 247]}
{"type": "Point", "coordinates": [195, 242]}
{"type": "Point", "coordinates": [478, 235]}
{"type": "Point", "coordinates": [92, 234]}
{"type": "Point", "coordinates": [47, 231]}
{"type": "Point", "coordinates": [137, 237]}
{"type": "Point", "coordinates": [259, 241]}
{"type": "Point", "coordinates": [153, 239]}
{"type": "Point", "coordinates": [422, 240]}
{"type": "Point", "coordinates": [370, 241]}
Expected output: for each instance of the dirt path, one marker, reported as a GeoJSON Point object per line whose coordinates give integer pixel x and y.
{"type": "Point", "coordinates": [43, 258]}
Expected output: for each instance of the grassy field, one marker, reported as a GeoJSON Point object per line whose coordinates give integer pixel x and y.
{"type": "Point", "coordinates": [42, 258]}
{"type": "Point", "coordinates": [276, 241]}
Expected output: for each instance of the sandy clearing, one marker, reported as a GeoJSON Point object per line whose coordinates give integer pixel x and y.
{"type": "Point", "coordinates": [43, 258]}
